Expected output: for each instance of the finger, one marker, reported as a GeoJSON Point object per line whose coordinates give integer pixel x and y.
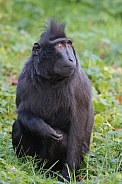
{"type": "Point", "coordinates": [57, 135]}
{"type": "Point", "coordinates": [56, 138]}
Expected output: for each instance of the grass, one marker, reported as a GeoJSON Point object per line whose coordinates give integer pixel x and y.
{"type": "Point", "coordinates": [96, 32]}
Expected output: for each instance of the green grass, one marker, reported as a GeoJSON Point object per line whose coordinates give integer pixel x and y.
{"type": "Point", "coordinates": [96, 30]}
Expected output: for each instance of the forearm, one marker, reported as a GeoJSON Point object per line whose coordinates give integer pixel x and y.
{"type": "Point", "coordinates": [37, 127]}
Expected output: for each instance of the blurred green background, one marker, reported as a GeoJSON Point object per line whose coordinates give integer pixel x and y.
{"type": "Point", "coordinates": [95, 26]}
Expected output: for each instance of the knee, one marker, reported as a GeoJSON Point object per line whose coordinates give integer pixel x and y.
{"type": "Point", "coordinates": [16, 132]}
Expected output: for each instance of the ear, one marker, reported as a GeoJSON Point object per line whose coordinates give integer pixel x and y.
{"type": "Point", "coordinates": [36, 48]}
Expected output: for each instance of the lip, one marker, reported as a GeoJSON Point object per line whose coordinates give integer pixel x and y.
{"type": "Point", "coordinates": [65, 71]}
{"type": "Point", "coordinates": [67, 67]}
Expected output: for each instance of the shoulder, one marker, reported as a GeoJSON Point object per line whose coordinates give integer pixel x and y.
{"type": "Point", "coordinates": [81, 79]}
{"type": "Point", "coordinates": [82, 88]}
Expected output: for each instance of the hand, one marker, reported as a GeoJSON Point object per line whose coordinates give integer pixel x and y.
{"type": "Point", "coordinates": [55, 137]}
{"type": "Point", "coordinates": [51, 134]}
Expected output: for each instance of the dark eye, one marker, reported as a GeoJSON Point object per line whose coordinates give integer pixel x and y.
{"type": "Point", "coordinates": [60, 45]}
{"type": "Point", "coordinates": [69, 44]}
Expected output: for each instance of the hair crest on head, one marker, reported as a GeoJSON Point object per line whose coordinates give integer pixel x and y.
{"type": "Point", "coordinates": [53, 30]}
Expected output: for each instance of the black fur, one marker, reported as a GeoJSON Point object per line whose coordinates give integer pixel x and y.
{"type": "Point", "coordinates": [53, 31]}
{"type": "Point", "coordinates": [55, 113]}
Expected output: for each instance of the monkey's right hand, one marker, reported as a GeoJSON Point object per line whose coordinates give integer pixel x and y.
{"type": "Point", "coordinates": [52, 135]}
{"type": "Point", "coordinates": [55, 137]}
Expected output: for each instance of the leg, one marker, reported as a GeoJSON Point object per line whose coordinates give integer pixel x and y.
{"type": "Point", "coordinates": [24, 144]}
{"type": "Point", "coordinates": [56, 152]}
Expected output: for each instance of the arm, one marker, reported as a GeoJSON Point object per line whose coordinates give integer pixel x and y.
{"type": "Point", "coordinates": [38, 127]}
{"type": "Point", "coordinates": [31, 123]}
{"type": "Point", "coordinates": [81, 126]}
{"type": "Point", "coordinates": [75, 142]}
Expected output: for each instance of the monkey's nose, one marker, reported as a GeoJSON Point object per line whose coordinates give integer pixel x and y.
{"type": "Point", "coordinates": [70, 60]}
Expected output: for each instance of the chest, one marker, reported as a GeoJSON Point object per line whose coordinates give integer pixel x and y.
{"type": "Point", "coordinates": [54, 107]}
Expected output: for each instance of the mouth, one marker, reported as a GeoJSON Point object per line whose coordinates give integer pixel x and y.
{"type": "Point", "coordinates": [65, 71]}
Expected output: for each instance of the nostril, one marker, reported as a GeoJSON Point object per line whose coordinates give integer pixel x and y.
{"type": "Point", "coordinates": [70, 60]}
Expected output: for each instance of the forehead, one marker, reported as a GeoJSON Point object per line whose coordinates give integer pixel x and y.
{"type": "Point", "coordinates": [65, 40]}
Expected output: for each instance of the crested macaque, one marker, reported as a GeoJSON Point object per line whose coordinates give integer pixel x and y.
{"type": "Point", "coordinates": [54, 105]}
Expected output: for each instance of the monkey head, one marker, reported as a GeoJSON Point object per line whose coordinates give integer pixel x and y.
{"type": "Point", "coordinates": [53, 55]}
